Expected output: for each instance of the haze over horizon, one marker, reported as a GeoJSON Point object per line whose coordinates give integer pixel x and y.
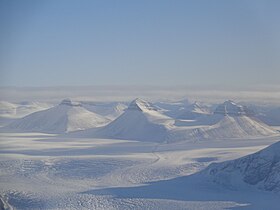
{"type": "Point", "coordinates": [161, 43]}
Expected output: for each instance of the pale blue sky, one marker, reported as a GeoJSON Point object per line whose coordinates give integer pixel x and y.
{"type": "Point", "coordinates": [158, 42]}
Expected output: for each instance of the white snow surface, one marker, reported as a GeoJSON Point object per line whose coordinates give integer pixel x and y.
{"type": "Point", "coordinates": [43, 171]}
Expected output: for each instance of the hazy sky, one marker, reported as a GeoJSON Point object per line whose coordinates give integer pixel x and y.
{"type": "Point", "coordinates": [153, 42]}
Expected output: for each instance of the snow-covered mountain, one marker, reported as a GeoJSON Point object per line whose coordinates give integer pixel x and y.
{"type": "Point", "coordinates": [261, 169]}
{"type": "Point", "coordinates": [229, 120]}
{"type": "Point", "coordinates": [110, 110]}
{"type": "Point", "coordinates": [11, 111]}
{"type": "Point", "coordinates": [193, 111]}
{"type": "Point", "coordinates": [17, 110]}
{"type": "Point", "coordinates": [231, 108]}
{"type": "Point", "coordinates": [140, 121]}
{"type": "Point", "coordinates": [172, 109]}
{"type": "Point", "coordinates": [144, 122]}
{"type": "Point", "coordinates": [7, 108]}
{"type": "Point", "coordinates": [65, 117]}
{"type": "Point", "coordinates": [270, 116]}
{"type": "Point", "coordinates": [234, 127]}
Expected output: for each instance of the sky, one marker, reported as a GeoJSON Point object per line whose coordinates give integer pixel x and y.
{"type": "Point", "coordinates": [142, 42]}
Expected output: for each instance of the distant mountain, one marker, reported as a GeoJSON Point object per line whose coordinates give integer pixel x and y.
{"type": "Point", "coordinates": [17, 110]}
{"type": "Point", "coordinates": [234, 127]}
{"type": "Point", "coordinates": [11, 111]}
{"type": "Point", "coordinates": [270, 116]}
{"type": "Point", "coordinates": [65, 117]}
{"type": "Point", "coordinates": [193, 111]}
{"type": "Point", "coordinates": [261, 169]}
{"type": "Point", "coordinates": [7, 108]}
{"type": "Point", "coordinates": [144, 121]}
{"type": "Point", "coordinates": [231, 108]}
{"type": "Point", "coordinates": [229, 120]}
{"type": "Point", "coordinates": [172, 109]}
{"type": "Point", "coordinates": [109, 110]}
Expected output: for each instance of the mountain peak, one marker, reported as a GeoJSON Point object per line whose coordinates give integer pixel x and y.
{"type": "Point", "coordinates": [229, 107]}
{"type": "Point", "coordinates": [140, 105]}
{"type": "Point", "coordinates": [68, 102]}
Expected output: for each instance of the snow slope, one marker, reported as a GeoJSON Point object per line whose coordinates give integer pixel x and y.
{"type": "Point", "coordinates": [140, 121]}
{"type": "Point", "coordinates": [65, 117]}
{"type": "Point", "coordinates": [261, 169]}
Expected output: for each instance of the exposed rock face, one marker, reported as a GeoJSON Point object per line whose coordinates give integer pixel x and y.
{"type": "Point", "coordinates": [261, 169]}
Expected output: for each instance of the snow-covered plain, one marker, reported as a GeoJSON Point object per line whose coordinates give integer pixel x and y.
{"type": "Point", "coordinates": [77, 171]}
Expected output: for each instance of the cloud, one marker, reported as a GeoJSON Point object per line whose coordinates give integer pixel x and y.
{"type": "Point", "coordinates": [267, 94]}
